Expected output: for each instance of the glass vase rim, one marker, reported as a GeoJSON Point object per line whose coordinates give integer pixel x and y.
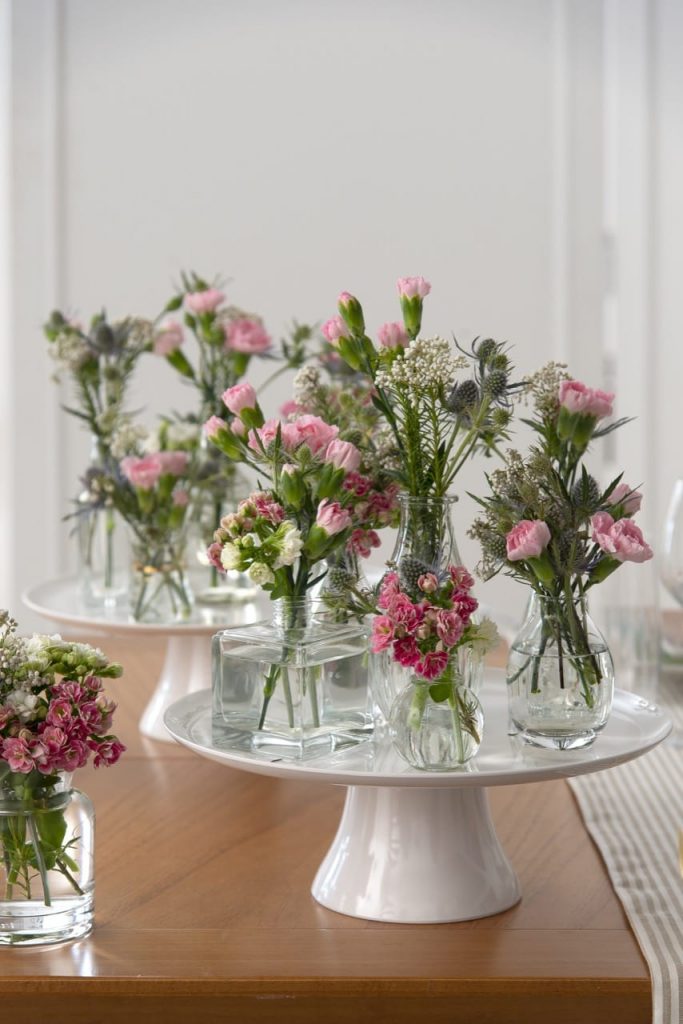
{"type": "Point", "coordinates": [445, 500]}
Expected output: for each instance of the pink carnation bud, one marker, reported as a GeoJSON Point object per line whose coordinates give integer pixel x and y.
{"type": "Point", "coordinates": [575, 397]}
{"type": "Point", "coordinates": [169, 338]}
{"type": "Point", "coordinates": [240, 396]}
{"type": "Point", "coordinates": [213, 426]}
{"type": "Point", "coordinates": [409, 287]}
{"type": "Point", "coordinates": [205, 301]}
{"type": "Point", "coordinates": [393, 335]}
{"type": "Point", "coordinates": [428, 583]}
{"type": "Point", "coordinates": [527, 539]}
{"type": "Point", "coordinates": [625, 496]}
{"type": "Point", "coordinates": [143, 473]}
{"type": "Point", "coordinates": [334, 329]}
{"type": "Point", "coordinates": [248, 336]}
{"type": "Point", "coordinates": [332, 518]}
{"type": "Point", "coordinates": [342, 455]}
{"type": "Point", "coordinates": [172, 463]}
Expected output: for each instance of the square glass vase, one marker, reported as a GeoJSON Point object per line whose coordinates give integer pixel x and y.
{"type": "Point", "coordinates": [294, 687]}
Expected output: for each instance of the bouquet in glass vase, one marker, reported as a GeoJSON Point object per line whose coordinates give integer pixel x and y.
{"type": "Point", "coordinates": [436, 721]}
{"type": "Point", "coordinates": [295, 685]}
{"type": "Point", "coordinates": [54, 716]}
{"type": "Point", "coordinates": [226, 339]}
{"type": "Point", "coordinates": [549, 524]}
{"type": "Point", "coordinates": [440, 406]}
{"type": "Point", "coordinates": [151, 492]}
{"type": "Point", "coordinates": [100, 362]}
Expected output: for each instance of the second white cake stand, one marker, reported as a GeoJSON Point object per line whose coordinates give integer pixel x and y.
{"type": "Point", "coordinates": [420, 847]}
{"type": "Point", "coordinates": [187, 665]}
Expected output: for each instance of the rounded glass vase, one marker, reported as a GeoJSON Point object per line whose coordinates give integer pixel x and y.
{"type": "Point", "coordinates": [436, 727]}
{"type": "Point", "coordinates": [560, 677]}
{"type": "Point", "coordinates": [425, 543]}
{"type": "Point", "coordinates": [47, 834]}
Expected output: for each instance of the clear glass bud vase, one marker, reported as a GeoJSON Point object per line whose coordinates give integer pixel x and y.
{"type": "Point", "coordinates": [47, 833]}
{"type": "Point", "coordinates": [294, 687]}
{"type": "Point", "coordinates": [159, 588]}
{"type": "Point", "coordinates": [102, 541]}
{"type": "Point", "coordinates": [436, 727]}
{"type": "Point", "coordinates": [425, 543]}
{"type": "Point", "coordinates": [560, 676]}
{"type": "Point", "coordinates": [219, 489]}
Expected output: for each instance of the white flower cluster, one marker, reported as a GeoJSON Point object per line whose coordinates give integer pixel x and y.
{"type": "Point", "coordinates": [140, 332]}
{"type": "Point", "coordinates": [485, 637]}
{"type": "Point", "coordinates": [306, 384]}
{"type": "Point", "coordinates": [427, 364]}
{"type": "Point", "coordinates": [69, 350]}
{"type": "Point", "coordinates": [126, 437]}
{"type": "Point", "coordinates": [285, 544]}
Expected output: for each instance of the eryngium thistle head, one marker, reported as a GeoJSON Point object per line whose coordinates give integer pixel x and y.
{"type": "Point", "coordinates": [409, 571]}
{"type": "Point", "coordinates": [463, 397]}
{"type": "Point", "coordinates": [496, 546]}
{"type": "Point", "coordinates": [496, 383]}
{"type": "Point", "coordinates": [586, 493]}
{"type": "Point", "coordinates": [485, 349]}
{"type": "Point", "coordinates": [338, 580]}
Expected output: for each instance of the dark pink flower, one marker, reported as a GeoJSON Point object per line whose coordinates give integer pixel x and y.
{"type": "Point", "coordinates": [432, 664]}
{"type": "Point", "coordinates": [382, 633]}
{"type": "Point", "coordinates": [16, 752]}
{"type": "Point", "coordinates": [461, 577]}
{"type": "Point", "coordinates": [449, 626]}
{"type": "Point", "coordinates": [388, 590]}
{"type": "Point", "coordinates": [406, 652]}
{"type": "Point", "coordinates": [59, 712]}
{"type": "Point", "coordinates": [108, 752]}
{"type": "Point", "coordinates": [361, 542]}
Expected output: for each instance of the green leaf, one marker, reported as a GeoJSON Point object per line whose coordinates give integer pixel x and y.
{"type": "Point", "coordinates": [180, 363]}
{"type": "Point", "coordinates": [51, 828]}
{"type": "Point", "coordinates": [439, 692]}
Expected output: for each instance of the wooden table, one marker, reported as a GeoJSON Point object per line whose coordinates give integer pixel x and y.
{"type": "Point", "coordinates": [203, 910]}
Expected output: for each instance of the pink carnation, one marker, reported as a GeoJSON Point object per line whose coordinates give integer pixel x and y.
{"type": "Point", "coordinates": [577, 398]}
{"type": "Point", "coordinates": [16, 752]}
{"type": "Point", "coordinates": [213, 426]}
{"type": "Point", "coordinates": [622, 540]}
{"type": "Point", "coordinates": [361, 542]}
{"type": "Point", "coordinates": [382, 633]}
{"type": "Point", "coordinates": [205, 301]}
{"type": "Point", "coordinates": [461, 577]}
{"type": "Point", "coordinates": [247, 336]}
{"type": "Point", "coordinates": [388, 590]}
{"type": "Point", "coordinates": [342, 455]}
{"type": "Point", "coordinates": [143, 473]}
{"type": "Point", "coordinates": [625, 496]}
{"type": "Point", "coordinates": [107, 751]}
{"type": "Point", "coordinates": [169, 338]}
{"type": "Point", "coordinates": [313, 432]}
{"type": "Point", "coordinates": [527, 539]}
{"type": "Point", "coordinates": [291, 408]}
{"type": "Point", "coordinates": [332, 518]}
{"type": "Point", "coordinates": [393, 335]}
{"type": "Point", "coordinates": [213, 553]}
{"type": "Point", "coordinates": [404, 613]}
{"type": "Point", "coordinates": [432, 664]}
{"type": "Point", "coordinates": [172, 463]}
{"type": "Point", "coordinates": [240, 396]}
{"type": "Point", "coordinates": [409, 287]}
{"type": "Point", "coordinates": [334, 329]}
{"type": "Point", "coordinates": [406, 652]}
{"type": "Point", "coordinates": [449, 626]}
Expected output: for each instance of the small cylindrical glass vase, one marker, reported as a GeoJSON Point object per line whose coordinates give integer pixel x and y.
{"type": "Point", "coordinates": [159, 589]}
{"type": "Point", "coordinates": [47, 835]}
{"type": "Point", "coordinates": [560, 677]}
{"type": "Point", "coordinates": [295, 686]}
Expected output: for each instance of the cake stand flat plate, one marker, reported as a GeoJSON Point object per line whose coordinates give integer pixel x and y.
{"type": "Point", "coordinates": [635, 726]}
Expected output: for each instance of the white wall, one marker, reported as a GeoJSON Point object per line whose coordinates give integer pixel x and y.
{"type": "Point", "coordinates": [305, 148]}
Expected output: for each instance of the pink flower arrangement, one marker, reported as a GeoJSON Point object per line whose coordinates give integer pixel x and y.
{"type": "Point", "coordinates": [424, 629]}
{"type": "Point", "coordinates": [205, 301]}
{"type": "Point", "coordinates": [576, 397]}
{"type": "Point", "coordinates": [528, 539]}
{"type": "Point", "coordinates": [248, 336]}
{"type": "Point", "coordinates": [622, 540]}
{"type": "Point", "coordinates": [309, 430]}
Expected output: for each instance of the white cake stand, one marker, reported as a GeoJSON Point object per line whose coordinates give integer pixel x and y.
{"type": "Point", "coordinates": [187, 666]}
{"type": "Point", "coordinates": [420, 847]}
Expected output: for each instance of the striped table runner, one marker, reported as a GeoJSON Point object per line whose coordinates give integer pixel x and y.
{"type": "Point", "coordinates": [634, 814]}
